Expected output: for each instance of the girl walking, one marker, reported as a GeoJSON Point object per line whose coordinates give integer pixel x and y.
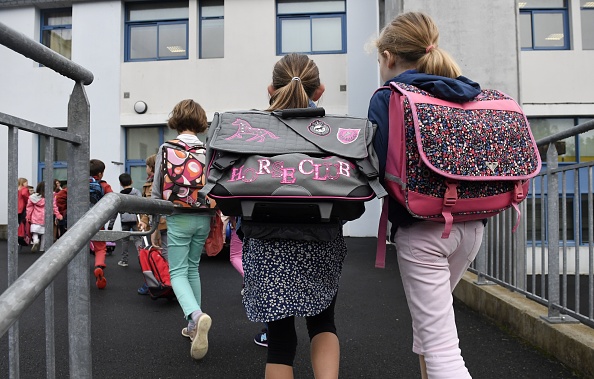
{"type": "Point", "coordinates": [187, 229]}
{"type": "Point", "coordinates": [36, 216]}
{"type": "Point", "coordinates": [430, 266]}
{"type": "Point", "coordinates": [287, 278]}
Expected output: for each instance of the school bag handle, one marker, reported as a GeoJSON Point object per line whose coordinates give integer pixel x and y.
{"type": "Point", "coordinates": [300, 113]}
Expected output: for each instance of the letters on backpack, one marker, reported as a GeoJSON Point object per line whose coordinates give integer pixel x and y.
{"type": "Point", "coordinates": [182, 166]}
{"type": "Point", "coordinates": [451, 162]}
{"type": "Point", "coordinates": [291, 165]}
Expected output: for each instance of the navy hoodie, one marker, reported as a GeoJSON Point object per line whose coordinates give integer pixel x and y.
{"type": "Point", "coordinates": [458, 90]}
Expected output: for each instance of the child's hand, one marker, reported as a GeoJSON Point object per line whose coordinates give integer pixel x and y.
{"type": "Point", "coordinates": [142, 225]}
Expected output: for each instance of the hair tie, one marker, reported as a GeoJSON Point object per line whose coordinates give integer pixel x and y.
{"type": "Point", "coordinates": [429, 48]}
{"type": "Point", "coordinates": [296, 78]}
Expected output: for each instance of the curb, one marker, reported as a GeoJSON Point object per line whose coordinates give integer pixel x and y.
{"type": "Point", "coordinates": [571, 344]}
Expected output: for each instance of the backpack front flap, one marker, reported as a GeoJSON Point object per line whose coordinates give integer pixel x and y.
{"type": "Point", "coordinates": [462, 161]}
{"type": "Point", "coordinates": [487, 139]}
{"type": "Point", "coordinates": [257, 155]}
{"type": "Point", "coordinates": [183, 173]}
{"type": "Point", "coordinates": [257, 132]}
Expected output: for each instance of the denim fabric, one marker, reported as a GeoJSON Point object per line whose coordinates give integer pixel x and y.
{"type": "Point", "coordinates": [186, 234]}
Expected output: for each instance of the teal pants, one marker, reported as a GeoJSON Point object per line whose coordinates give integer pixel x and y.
{"type": "Point", "coordinates": [186, 234]}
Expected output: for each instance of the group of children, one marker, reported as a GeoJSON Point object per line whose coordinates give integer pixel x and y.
{"type": "Point", "coordinates": [286, 278]}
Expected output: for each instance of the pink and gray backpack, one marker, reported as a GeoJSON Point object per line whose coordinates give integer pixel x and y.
{"type": "Point", "coordinates": [450, 162]}
{"type": "Point", "coordinates": [291, 166]}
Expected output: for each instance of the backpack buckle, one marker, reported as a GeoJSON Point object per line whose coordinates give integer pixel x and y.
{"type": "Point", "coordinates": [519, 192]}
{"type": "Point", "coordinates": [451, 194]}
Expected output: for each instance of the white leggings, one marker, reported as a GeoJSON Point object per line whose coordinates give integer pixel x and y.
{"type": "Point", "coordinates": [431, 267]}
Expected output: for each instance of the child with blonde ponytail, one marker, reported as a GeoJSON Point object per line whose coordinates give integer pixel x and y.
{"type": "Point", "coordinates": [408, 52]}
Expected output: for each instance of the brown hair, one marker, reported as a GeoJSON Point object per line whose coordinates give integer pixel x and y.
{"type": "Point", "coordinates": [295, 78]}
{"type": "Point", "coordinates": [96, 167]}
{"type": "Point", "coordinates": [413, 36]}
{"type": "Point", "coordinates": [150, 161]}
{"type": "Point", "coordinates": [188, 115]}
{"type": "Point", "coordinates": [22, 181]}
{"type": "Point", "coordinates": [40, 189]}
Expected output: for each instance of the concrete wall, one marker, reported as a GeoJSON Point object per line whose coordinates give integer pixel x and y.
{"type": "Point", "coordinates": [485, 46]}
{"type": "Point", "coordinates": [39, 94]}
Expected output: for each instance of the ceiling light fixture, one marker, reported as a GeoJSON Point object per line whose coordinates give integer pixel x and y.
{"type": "Point", "coordinates": [176, 49]}
{"type": "Point", "coordinates": [555, 37]}
{"type": "Point", "coordinates": [522, 4]}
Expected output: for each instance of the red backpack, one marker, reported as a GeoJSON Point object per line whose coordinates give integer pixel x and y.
{"type": "Point", "coordinates": [182, 166]}
{"type": "Point", "coordinates": [451, 162]}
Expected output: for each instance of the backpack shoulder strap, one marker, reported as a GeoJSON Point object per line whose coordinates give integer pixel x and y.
{"type": "Point", "coordinates": [185, 146]}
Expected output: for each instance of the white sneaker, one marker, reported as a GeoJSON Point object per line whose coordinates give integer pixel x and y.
{"type": "Point", "coordinates": [199, 336]}
{"type": "Point", "coordinates": [35, 247]}
{"type": "Point", "coordinates": [123, 263]}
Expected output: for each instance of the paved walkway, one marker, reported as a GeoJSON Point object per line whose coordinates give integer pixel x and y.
{"type": "Point", "coordinates": [136, 337]}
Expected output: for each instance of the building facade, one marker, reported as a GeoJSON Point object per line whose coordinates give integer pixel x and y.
{"type": "Point", "coordinates": [146, 56]}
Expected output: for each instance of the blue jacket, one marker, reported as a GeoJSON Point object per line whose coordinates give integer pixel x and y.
{"type": "Point", "coordinates": [459, 90]}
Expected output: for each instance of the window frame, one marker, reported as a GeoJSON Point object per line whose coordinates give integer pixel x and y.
{"type": "Point", "coordinates": [129, 25]}
{"type": "Point", "coordinates": [582, 11]}
{"type": "Point", "coordinates": [311, 16]}
{"type": "Point", "coordinates": [564, 11]}
{"type": "Point", "coordinates": [43, 28]}
{"type": "Point", "coordinates": [202, 18]}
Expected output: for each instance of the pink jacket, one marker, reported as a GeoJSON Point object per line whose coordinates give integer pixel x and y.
{"type": "Point", "coordinates": [36, 210]}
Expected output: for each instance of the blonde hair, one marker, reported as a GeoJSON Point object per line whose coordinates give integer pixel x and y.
{"type": "Point", "coordinates": [188, 115]}
{"type": "Point", "coordinates": [295, 78]}
{"type": "Point", "coordinates": [414, 37]}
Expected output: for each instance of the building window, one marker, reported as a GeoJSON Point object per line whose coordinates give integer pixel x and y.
{"type": "Point", "coordinates": [212, 29]}
{"type": "Point", "coordinates": [544, 25]}
{"type": "Point", "coordinates": [311, 27]}
{"type": "Point", "coordinates": [587, 12]}
{"type": "Point", "coordinates": [60, 159]}
{"type": "Point", "coordinates": [571, 150]}
{"type": "Point", "coordinates": [56, 30]}
{"type": "Point", "coordinates": [156, 31]}
{"type": "Point", "coordinates": [141, 142]}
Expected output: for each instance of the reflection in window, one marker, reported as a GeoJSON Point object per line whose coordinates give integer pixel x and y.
{"type": "Point", "coordinates": [156, 31]}
{"type": "Point", "coordinates": [311, 27]}
{"type": "Point", "coordinates": [56, 30]}
{"type": "Point", "coordinates": [586, 143]}
{"type": "Point", "coordinates": [212, 24]}
{"type": "Point", "coordinates": [141, 142]}
{"type": "Point", "coordinates": [587, 13]}
{"type": "Point", "coordinates": [544, 25]}
{"type": "Point", "coordinates": [536, 225]}
{"type": "Point", "coordinates": [544, 127]}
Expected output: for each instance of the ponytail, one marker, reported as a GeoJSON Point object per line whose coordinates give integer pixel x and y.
{"type": "Point", "coordinates": [295, 78]}
{"type": "Point", "coordinates": [413, 36]}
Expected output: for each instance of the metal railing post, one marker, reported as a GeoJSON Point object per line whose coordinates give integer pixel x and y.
{"type": "Point", "coordinates": [79, 292]}
{"type": "Point", "coordinates": [13, 246]}
{"type": "Point", "coordinates": [553, 316]}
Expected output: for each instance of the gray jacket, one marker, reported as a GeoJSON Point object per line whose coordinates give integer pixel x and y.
{"type": "Point", "coordinates": [125, 217]}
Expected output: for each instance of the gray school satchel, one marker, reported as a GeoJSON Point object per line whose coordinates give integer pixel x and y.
{"type": "Point", "coordinates": [295, 165]}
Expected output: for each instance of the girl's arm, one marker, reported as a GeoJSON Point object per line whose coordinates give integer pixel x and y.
{"type": "Point", "coordinates": [30, 207]}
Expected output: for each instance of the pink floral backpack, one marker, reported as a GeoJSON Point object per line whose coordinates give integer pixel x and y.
{"type": "Point", "coordinates": [450, 162]}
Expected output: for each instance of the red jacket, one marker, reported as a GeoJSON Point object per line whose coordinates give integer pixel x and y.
{"type": "Point", "coordinates": [23, 199]}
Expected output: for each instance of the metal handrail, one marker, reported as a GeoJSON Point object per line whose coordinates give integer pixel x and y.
{"type": "Point", "coordinates": [24, 45]}
{"type": "Point", "coordinates": [19, 296]}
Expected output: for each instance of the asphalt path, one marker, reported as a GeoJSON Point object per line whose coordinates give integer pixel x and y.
{"type": "Point", "coordinates": [136, 337]}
